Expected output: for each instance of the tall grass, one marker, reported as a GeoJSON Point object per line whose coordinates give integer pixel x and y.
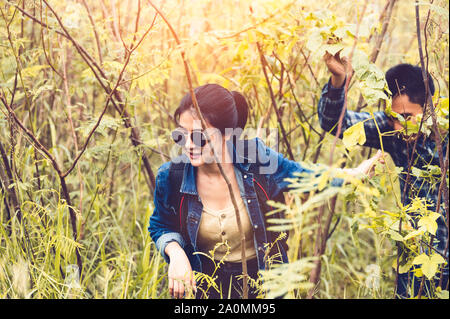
{"type": "Point", "coordinates": [110, 189]}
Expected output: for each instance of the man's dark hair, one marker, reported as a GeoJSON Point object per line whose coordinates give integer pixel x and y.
{"type": "Point", "coordinates": [409, 80]}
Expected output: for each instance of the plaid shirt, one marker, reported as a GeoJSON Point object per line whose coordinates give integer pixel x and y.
{"type": "Point", "coordinates": [330, 106]}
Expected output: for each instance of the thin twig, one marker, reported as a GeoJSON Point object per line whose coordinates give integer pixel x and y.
{"type": "Point", "coordinates": [436, 132]}
{"type": "Point", "coordinates": [101, 76]}
{"type": "Point", "coordinates": [97, 40]}
{"type": "Point", "coordinates": [274, 104]}
{"type": "Point", "coordinates": [322, 234]}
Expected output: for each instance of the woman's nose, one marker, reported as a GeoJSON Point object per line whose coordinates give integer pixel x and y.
{"type": "Point", "coordinates": [189, 143]}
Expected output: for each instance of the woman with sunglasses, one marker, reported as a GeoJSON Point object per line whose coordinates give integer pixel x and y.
{"type": "Point", "coordinates": [210, 224]}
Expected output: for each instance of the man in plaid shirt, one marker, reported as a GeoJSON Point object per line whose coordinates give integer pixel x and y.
{"type": "Point", "coordinates": [408, 103]}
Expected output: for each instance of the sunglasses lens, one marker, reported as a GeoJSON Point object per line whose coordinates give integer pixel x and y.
{"type": "Point", "coordinates": [198, 138]}
{"type": "Point", "coordinates": [178, 137]}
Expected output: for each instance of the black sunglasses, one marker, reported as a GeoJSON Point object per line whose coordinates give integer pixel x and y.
{"type": "Point", "coordinates": [198, 137]}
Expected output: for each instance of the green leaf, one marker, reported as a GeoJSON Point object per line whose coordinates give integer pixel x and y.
{"type": "Point", "coordinates": [52, 131]}
{"type": "Point", "coordinates": [105, 124]}
{"type": "Point", "coordinates": [146, 256]}
{"type": "Point", "coordinates": [371, 95]}
{"type": "Point", "coordinates": [32, 71]}
{"type": "Point", "coordinates": [395, 235]}
{"type": "Point", "coordinates": [354, 135]}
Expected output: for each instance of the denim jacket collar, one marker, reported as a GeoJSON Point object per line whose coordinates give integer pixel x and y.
{"type": "Point", "coordinates": [188, 185]}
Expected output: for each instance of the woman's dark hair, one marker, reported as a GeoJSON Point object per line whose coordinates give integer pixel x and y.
{"type": "Point", "coordinates": [409, 80]}
{"type": "Point", "coordinates": [220, 107]}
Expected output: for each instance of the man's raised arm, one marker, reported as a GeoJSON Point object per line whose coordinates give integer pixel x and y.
{"type": "Point", "coordinates": [332, 101]}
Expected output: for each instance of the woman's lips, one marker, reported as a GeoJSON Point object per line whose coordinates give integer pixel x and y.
{"type": "Point", "coordinates": [194, 155]}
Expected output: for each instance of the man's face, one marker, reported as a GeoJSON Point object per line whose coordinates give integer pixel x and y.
{"type": "Point", "coordinates": [408, 110]}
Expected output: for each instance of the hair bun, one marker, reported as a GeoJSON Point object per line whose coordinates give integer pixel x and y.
{"type": "Point", "coordinates": [242, 109]}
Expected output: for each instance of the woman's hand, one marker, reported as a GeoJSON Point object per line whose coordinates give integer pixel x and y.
{"type": "Point", "coordinates": [181, 277]}
{"type": "Point", "coordinates": [367, 167]}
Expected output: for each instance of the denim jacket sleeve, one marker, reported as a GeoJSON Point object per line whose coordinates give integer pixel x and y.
{"type": "Point", "coordinates": [163, 226]}
{"type": "Point", "coordinates": [282, 168]}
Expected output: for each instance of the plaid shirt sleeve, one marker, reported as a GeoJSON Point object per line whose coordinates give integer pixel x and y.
{"type": "Point", "coordinates": [330, 107]}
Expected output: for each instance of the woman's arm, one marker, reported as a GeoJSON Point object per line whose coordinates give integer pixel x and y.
{"type": "Point", "coordinates": [164, 231]}
{"type": "Point", "coordinates": [164, 224]}
{"type": "Point", "coordinates": [367, 167]}
{"type": "Point", "coordinates": [282, 169]}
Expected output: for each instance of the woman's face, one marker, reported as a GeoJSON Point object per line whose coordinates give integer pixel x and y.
{"type": "Point", "coordinates": [198, 155]}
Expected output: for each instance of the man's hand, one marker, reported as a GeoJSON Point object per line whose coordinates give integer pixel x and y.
{"type": "Point", "coordinates": [339, 68]}
{"type": "Point", "coordinates": [181, 277]}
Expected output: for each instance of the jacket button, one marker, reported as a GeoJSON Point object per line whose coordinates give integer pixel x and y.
{"type": "Point", "coordinates": [223, 233]}
{"type": "Point", "coordinates": [255, 227]}
{"type": "Point", "coordinates": [249, 201]}
{"type": "Point", "coordinates": [245, 176]}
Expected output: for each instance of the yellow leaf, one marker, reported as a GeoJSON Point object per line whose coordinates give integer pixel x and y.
{"type": "Point", "coordinates": [323, 181]}
{"type": "Point", "coordinates": [418, 272]}
{"type": "Point", "coordinates": [437, 259]}
{"type": "Point", "coordinates": [402, 268]}
{"type": "Point", "coordinates": [354, 135]}
{"type": "Point", "coordinates": [429, 264]}
{"type": "Point", "coordinates": [429, 269]}
{"type": "Point", "coordinates": [443, 106]}
{"type": "Point", "coordinates": [414, 234]}
{"type": "Point", "coordinates": [423, 258]}
{"type": "Point", "coordinates": [383, 181]}
{"type": "Point", "coordinates": [429, 222]}
{"type": "Point", "coordinates": [395, 235]}
{"type": "Point", "coordinates": [368, 211]}
{"type": "Point", "coordinates": [32, 71]}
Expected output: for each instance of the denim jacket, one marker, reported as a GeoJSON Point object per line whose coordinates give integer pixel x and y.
{"type": "Point", "coordinates": [164, 223]}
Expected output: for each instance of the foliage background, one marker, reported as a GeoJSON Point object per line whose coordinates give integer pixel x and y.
{"type": "Point", "coordinates": [58, 94]}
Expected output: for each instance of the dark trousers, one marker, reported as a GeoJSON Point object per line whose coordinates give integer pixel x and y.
{"type": "Point", "coordinates": [228, 278]}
